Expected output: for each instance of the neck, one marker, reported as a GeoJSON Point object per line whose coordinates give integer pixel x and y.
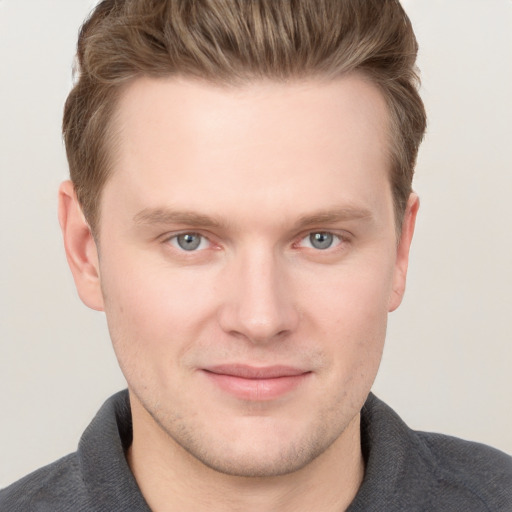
{"type": "Point", "coordinates": [172, 480]}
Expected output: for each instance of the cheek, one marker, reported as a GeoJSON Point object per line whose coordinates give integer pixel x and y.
{"type": "Point", "coordinates": [354, 296]}
{"type": "Point", "coordinates": [349, 309]}
{"type": "Point", "coordinates": [153, 314]}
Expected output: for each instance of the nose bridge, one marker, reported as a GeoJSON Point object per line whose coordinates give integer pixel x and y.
{"type": "Point", "coordinates": [260, 306]}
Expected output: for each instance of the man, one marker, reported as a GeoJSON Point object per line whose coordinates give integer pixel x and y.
{"type": "Point", "coordinates": [240, 206]}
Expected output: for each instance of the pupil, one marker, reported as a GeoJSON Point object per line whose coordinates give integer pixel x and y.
{"type": "Point", "coordinates": [189, 241]}
{"type": "Point", "coordinates": [321, 240]}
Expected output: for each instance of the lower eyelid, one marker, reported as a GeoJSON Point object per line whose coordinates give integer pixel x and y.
{"type": "Point", "coordinates": [340, 239]}
{"type": "Point", "coordinates": [173, 240]}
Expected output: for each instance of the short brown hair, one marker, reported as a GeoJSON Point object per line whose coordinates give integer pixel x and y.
{"type": "Point", "coordinates": [234, 41]}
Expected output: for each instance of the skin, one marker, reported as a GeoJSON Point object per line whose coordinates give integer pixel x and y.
{"type": "Point", "coordinates": [253, 171]}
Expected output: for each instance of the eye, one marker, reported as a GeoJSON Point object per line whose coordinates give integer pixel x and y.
{"type": "Point", "coordinates": [320, 240]}
{"type": "Point", "coordinates": [189, 242]}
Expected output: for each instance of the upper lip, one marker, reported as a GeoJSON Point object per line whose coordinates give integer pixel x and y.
{"type": "Point", "coordinates": [255, 372]}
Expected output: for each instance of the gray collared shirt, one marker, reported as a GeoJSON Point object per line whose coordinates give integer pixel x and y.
{"type": "Point", "coordinates": [406, 471]}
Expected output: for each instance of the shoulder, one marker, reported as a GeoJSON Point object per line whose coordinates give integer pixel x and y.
{"type": "Point", "coordinates": [472, 468]}
{"type": "Point", "coordinates": [58, 486]}
{"type": "Point", "coordinates": [96, 478]}
{"type": "Point", "coordinates": [419, 471]}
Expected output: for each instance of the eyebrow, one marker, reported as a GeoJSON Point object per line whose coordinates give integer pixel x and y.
{"type": "Point", "coordinates": [170, 216]}
{"type": "Point", "coordinates": [333, 216]}
{"type": "Point", "coordinates": [167, 216]}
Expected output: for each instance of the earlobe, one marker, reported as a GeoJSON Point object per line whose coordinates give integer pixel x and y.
{"type": "Point", "coordinates": [81, 250]}
{"type": "Point", "coordinates": [402, 257]}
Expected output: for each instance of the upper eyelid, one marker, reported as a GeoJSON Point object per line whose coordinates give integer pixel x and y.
{"type": "Point", "coordinates": [309, 233]}
{"type": "Point", "coordinates": [168, 240]}
{"type": "Point", "coordinates": [343, 235]}
{"type": "Point", "coordinates": [344, 239]}
{"type": "Point", "coordinates": [174, 234]}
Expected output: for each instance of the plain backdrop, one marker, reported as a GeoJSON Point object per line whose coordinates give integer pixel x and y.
{"type": "Point", "coordinates": [448, 360]}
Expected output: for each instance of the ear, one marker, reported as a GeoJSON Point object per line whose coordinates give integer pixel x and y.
{"type": "Point", "coordinates": [81, 250]}
{"type": "Point", "coordinates": [402, 255]}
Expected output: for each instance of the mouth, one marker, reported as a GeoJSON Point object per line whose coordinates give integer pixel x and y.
{"type": "Point", "coordinates": [256, 383]}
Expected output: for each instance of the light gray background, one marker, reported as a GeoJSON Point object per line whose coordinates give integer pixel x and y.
{"type": "Point", "coordinates": [447, 364]}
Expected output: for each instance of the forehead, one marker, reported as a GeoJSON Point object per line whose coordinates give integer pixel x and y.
{"type": "Point", "coordinates": [347, 107]}
{"type": "Point", "coordinates": [270, 143]}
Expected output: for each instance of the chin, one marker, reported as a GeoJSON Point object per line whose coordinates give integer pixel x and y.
{"type": "Point", "coordinates": [256, 446]}
{"type": "Point", "coordinates": [258, 461]}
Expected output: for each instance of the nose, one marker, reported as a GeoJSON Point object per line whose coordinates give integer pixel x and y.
{"type": "Point", "coordinates": [259, 305]}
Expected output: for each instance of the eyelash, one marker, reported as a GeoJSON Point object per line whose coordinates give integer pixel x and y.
{"type": "Point", "coordinates": [341, 240]}
{"type": "Point", "coordinates": [174, 238]}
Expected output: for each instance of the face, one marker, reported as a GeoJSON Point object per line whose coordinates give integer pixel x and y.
{"type": "Point", "coordinates": [247, 262]}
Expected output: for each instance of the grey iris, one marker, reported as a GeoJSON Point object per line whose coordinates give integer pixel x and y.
{"type": "Point", "coordinates": [321, 240]}
{"type": "Point", "coordinates": [189, 241]}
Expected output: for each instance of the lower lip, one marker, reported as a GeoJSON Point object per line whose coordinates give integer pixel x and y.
{"type": "Point", "coordinates": [257, 390]}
